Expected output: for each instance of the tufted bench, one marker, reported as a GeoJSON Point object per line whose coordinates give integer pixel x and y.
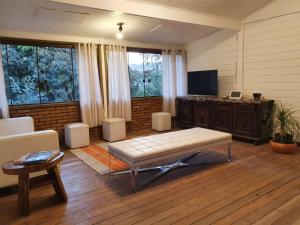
{"type": "Point", "coordinates": [143, 151]}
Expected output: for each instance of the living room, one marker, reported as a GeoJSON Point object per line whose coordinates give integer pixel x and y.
{"type": "Point", "coordinates": [150, 112]}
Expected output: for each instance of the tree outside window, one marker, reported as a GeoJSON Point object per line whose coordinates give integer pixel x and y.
{"type": "Point", "coordinates": [35, 75]}
{"type": "Point", "coordinates": [145, 70]}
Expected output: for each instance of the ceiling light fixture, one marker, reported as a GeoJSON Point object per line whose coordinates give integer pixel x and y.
{"type": "Point", "coordinates": [119, 34]}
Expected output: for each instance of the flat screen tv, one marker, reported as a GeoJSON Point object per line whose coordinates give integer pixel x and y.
{"type": "Point", "coordinates": [203, 82]}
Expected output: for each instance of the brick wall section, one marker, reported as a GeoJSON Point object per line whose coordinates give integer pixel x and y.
{"type": "Point", "coordinates": [142, 108]}
{"type": "Point", "coordinates": [55, 116]}
{"type": "Point", "coordinates": [49, 116]}
{"type": "Point", "coordinates": [96, 133]}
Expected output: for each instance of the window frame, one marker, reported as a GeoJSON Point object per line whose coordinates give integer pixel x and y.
{"type": "Point", "coordinates": [144, 51]}
{"type": "Point", "coordinates": [36, 44]}
{"type": "Point", "coordinates": [39, 43]}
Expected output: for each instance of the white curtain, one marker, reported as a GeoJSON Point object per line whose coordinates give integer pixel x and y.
{"type": "Point", "coordinates": [181, 74]}
{"type": "Point", "coordinates": [3, 100]}
{"type": "Point", "coordinates": [119, 100]}
{"type": "Point", "coordinates": [103, 79]}
{"type": "Point", "coordinates": [169, 83]}
{"type": "Point", "coordinates": [91, 104]}
{"type": "Point", "coordinates": [174, 79]}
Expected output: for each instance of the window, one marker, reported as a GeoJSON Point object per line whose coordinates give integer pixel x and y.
{"type": "Point", "coordinates": [145, 71]}
{"type": "Point", "coordinates": [38, 74]}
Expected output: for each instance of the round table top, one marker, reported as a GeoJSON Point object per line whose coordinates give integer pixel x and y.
{"type": "Point", "coordinates": [11, 168]}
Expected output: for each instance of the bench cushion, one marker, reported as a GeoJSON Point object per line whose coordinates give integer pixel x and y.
{"type": "Point", "coordinates": [155, 146]}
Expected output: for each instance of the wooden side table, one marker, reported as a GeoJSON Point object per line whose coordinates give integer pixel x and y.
{"type": "Point", "coordinates": [23, 172]}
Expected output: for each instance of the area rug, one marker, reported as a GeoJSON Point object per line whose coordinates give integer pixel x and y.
{"type": "Point", "coordinates": [97, 157]}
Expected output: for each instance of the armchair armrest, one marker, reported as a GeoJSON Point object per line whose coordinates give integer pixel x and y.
{"type": "Point", "coordinates": [14, 146]}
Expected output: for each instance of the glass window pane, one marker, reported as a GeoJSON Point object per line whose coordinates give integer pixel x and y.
{"type": "Point", "coordinates": [153, 74]}
{"type": "Point", "coordinates": [75, 71]}
{"type": "Point", "coordinates": [55, 70]}
{"type": "Point", "coordinates": [23, 75]}
{"type": "Point", "coordinates": [136, 73]}
{"type": "Point", "coordinates": [6, 76]}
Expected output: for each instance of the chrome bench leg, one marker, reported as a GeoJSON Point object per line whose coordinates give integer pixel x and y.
{"type": "Point", "coordinates": [229, 152]}
{"type": "Point", "coordinates": [133, 175]}
{"type": "Point", "coordinates": [109, 164]}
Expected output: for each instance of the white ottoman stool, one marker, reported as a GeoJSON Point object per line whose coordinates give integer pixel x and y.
{"type": "Point", "coordinates": [77, 135]}
{"type": "Point", "coordinates": [161, 121]}
{"type": "Point", "coordinates": [114, 129]}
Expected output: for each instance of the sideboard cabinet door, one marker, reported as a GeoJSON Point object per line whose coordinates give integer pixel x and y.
{"type": "Point", "coordinates": [244, 119]}
{"type": "Point", "coordinates": [202, 114]}
{"type": "Point", "coordinates": [185, 113]}
{"type": "Point", "coordinates": [222, 117]}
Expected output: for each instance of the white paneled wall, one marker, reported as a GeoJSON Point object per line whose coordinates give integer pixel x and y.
{"type": "Point", "coordinates": [266, 57]}
{"type": "Point", "coordinates": [217, 51]}
{"type": "Point", "coordinates": [272, 58]}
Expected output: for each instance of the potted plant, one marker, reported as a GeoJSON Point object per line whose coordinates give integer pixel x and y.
{"type": "Point", "coordinates": [285, 129]}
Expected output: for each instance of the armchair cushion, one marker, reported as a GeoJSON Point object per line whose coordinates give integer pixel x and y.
{"type": "Point", "coordinates": [14, 126]}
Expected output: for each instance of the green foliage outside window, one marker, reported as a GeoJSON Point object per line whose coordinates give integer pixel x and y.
{"type": "Point", "coordinates": [145, 70]}
{"type": "Point", "coordinates": [36, 74]}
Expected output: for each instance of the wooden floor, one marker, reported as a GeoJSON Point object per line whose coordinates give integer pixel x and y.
{"type": "Point", "coordinates": [257, 187]}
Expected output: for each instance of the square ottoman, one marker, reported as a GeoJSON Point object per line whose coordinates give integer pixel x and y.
{"type": "Point", "coordinates": [77, 135]}
{"type": "Point", "coordinates": [161, 121]}
{"type": "Point", "coordinates": [114, 129]}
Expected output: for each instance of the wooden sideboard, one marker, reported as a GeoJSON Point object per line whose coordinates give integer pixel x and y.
{"type": "Point", "coordinates": [248, 120]}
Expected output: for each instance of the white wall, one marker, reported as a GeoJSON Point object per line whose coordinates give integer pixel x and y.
{"type": "Point", "coordinates": [274, 9]}
{"type": "Point", "coordinates": [217, 51]}
{"type": "Point", "coordinates": [268, 54]}
{"type": "Point", "coordinates": [272, 58]}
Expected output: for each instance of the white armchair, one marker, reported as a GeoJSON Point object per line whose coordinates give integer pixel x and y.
{"type": "Point", "coordinates": [17, 137]}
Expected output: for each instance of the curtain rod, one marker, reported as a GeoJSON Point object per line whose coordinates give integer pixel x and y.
{"type": "Point", "coordinates": [9, 40]}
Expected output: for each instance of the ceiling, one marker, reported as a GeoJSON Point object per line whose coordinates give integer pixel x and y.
{"type": "Point", "coordinates": [237, 9]}
{"type": "Point", "coordinates": [57, 18]}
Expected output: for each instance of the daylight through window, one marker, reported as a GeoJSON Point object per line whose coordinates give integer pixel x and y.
{"type": "Point", "coordinates": [35, 74]}
{"type": "Point", "coordinates": [145, 70]}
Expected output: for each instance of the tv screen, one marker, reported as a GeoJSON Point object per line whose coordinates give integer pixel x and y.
{"type": "Point", "coordinates": [203, 82]}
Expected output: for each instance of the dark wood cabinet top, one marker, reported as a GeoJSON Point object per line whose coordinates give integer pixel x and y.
{"type": "Point", "coordinates": [222, 100]}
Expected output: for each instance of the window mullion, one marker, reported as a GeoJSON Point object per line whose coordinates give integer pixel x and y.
{"type": "Point", "coordinates": [144, 74]}
{"type": "Point", "coordinates": [9, 84]}
{"type": "Point", "coordinates": [73, 80]}
{"type": "Point", "coordinates": [38, 72]}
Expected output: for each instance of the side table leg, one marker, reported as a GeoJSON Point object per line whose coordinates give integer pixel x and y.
{"type": "Point", "coordinates": [23, 194]}
{"type": "Point", "coordinates": [57, 183]}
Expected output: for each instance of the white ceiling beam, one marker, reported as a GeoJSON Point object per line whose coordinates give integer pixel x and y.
{"type": "Point", "coordinates": [159, 12]}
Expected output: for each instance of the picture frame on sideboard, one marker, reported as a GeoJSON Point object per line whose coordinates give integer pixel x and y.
{"type": "Point", "coordinates": [235, 94]}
